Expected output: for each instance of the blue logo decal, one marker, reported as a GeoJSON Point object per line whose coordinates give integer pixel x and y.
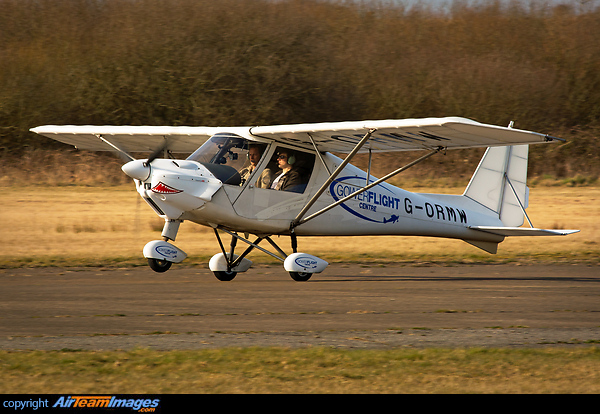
{"type": "Point", "coordinates": [369, 201]}
{"type": "Point", "coordinates": [166, 251]}
{"type": "Point", "coordinates": [306, 262]}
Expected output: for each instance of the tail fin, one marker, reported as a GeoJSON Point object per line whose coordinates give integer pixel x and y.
{"type": "Point", "coordinates": [500, 183]}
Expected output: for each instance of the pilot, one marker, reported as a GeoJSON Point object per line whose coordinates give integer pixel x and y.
{"type": "Point", "coordinates": [254, 154]}
{"type": "Point", "coordinates": [289, 176]}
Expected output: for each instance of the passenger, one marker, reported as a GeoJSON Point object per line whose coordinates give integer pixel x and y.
{"type": "Point", "coordinates": [254, 155]}
{"type": "Point", "coordinates": [289, 176]}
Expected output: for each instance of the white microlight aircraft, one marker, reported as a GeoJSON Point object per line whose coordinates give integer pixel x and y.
{"type": "Point", "coordinates": [234, 183]}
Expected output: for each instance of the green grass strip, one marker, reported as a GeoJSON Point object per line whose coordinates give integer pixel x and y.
{"type": "Point", "coordinates": [304, 370]}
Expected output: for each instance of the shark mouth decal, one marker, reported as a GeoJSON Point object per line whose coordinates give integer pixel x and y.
{"type": "Point", "coordinates": [162, 188]}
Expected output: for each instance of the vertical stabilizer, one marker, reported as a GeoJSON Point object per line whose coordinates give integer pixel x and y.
{"type": "Point", "coordinates": [500, 183]}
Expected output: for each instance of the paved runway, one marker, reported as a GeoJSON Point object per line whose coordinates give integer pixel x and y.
{"type": "Point", "coordinates": [354, 306]}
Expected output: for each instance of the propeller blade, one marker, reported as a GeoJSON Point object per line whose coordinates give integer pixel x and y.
{"type": "Point", "coordinates": [140, 169]}
{"type": "Point", "coordinates": [158, 150]}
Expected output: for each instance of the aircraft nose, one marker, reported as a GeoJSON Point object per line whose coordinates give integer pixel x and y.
{"type": "Point", "coordinates": [137, 169]}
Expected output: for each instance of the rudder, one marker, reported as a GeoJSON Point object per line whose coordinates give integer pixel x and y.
{"type": "Point", "coordinates": [500, 183]}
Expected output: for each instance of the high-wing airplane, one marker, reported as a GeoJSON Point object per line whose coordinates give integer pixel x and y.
{"type": "Point", "coordinates": [284, 180]}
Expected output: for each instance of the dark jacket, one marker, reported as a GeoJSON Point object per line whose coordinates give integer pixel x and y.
{"type": "Point", "coordinates": [290, 181]}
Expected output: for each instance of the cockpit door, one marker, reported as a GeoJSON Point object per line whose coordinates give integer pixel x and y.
{"type": "Point", "coordinates": [266, 203]}
{"type": "Point", "coordinates": [252, 173]}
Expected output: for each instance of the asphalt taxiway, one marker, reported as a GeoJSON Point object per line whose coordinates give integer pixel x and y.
{"type": "Point", "coordinates": [352, 306]}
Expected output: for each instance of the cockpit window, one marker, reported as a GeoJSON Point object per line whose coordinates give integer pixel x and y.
{"type": "Point", "coordinates": [225, 155]}
{"type": "Point", "coordinates": [236, 161]}
{"type": "Point", "coordinates": [222, 149]}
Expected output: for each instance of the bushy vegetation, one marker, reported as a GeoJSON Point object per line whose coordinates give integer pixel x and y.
{"type": "Point", "coordinates": [251, 62]}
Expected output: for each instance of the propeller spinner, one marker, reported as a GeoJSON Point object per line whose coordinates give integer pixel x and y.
{"type": "Point", "coordinates": [137, 169]}
{"type": "Point", "coordinates": [140, 169]}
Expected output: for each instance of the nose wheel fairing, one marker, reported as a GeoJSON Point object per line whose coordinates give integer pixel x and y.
{"type": "Point", "coordinates": [161, 250]}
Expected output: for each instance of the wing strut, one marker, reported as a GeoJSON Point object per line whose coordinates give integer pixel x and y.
{"type": "Point", "coordinates": [298, 222]}
{"type": "Point", "coordinates": [122, 153]}
{"type": "Point", "coordinates": [332, 177]}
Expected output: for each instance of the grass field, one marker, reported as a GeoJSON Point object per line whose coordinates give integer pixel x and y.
{"type": "Point", "coordinates": [100, 226]}
{"type": "Point", "coordinates": [309, 370]}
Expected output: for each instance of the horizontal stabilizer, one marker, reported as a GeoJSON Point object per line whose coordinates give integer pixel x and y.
{"type": "Point", "coordinates": [522, 231]}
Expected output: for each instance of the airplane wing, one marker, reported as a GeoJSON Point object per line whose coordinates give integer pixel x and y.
{"type": "Point", "coordinates": [342, 137]}
{"type": "Point", "coordinates": [400, 134]}
{"type": "Point", "coordinates": [129, 138]}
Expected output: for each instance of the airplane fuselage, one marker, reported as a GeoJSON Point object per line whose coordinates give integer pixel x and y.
{"type": "Point", "coordinates": [186, 190]}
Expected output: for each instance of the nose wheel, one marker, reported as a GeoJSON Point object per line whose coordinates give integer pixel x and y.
{"type": "Point", "coordinates": [159, 266]}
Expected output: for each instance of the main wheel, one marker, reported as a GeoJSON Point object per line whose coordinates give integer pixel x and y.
{"type": "Point", "coordinates": [225, 276]}
{"type": "Point", "coordinates": [300, 276]}
{"type": "Point", "coordinates": [159, 266]}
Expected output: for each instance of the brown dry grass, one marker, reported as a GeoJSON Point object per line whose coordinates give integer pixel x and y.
{"type": "Point", "coordinates": [96, 226]}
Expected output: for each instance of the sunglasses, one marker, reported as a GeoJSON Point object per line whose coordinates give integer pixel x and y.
{"type": "Point", "coordinates": [282, 157]}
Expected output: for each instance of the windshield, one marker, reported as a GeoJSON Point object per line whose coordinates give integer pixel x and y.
{"type": "Point", "coordinates": [225, 155]}
{"type": "Point", "coordinates": [223, 149]}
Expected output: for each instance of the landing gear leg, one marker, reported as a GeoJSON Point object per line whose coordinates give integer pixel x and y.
{"type": "Point", "coordinates": [297, 276]}
{"type": "Point", "coordinates": [300, 266]}
{"type": "Point", "coordinates": [294, 241]}
{"type": "Point", "coordinates": [226, 275]}
{"type": "Point", "coordinates": [232, 245]}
